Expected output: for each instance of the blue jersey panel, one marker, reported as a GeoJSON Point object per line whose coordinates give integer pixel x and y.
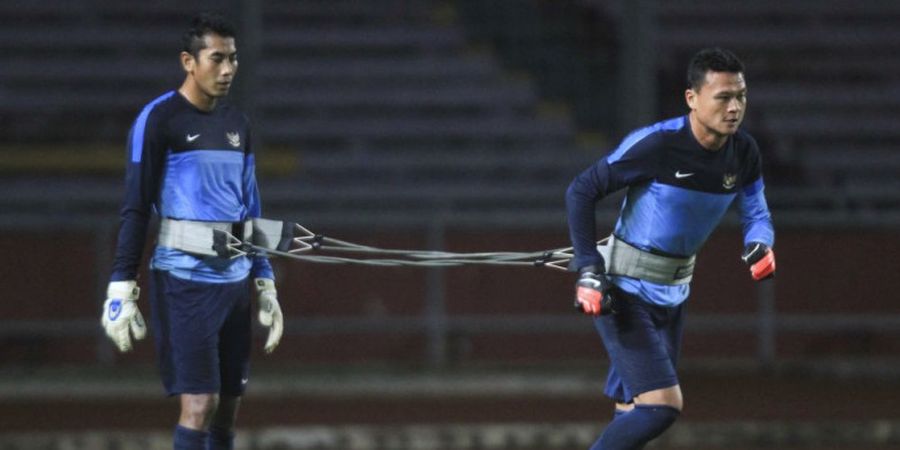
{"type": "Point", "coordinates": [632, 139]}
{"type": "Point", "coordinates": [204, 185]}
{"type": "Point", "coordinates": [208, 270]}
{"type": "Point", "coordinates": [670, 219]}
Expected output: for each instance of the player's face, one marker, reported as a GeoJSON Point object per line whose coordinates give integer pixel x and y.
{"type": "Point", "coordinates": [214, 67]}
{"type": "Point", "coordinates": [720, 103]}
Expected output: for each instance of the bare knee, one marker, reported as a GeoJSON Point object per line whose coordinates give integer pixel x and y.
{"type": "Point", "coordinates": [670, 396]}
{"type": "Point", "coordinates": [197, 410]}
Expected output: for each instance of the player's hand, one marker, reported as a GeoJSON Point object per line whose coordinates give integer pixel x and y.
{"type": "Point", "coordinates": [269, 311]}
{"type": "Point", "coordinates": [121, 318]}
{"type": "Point", "coordinates": [592, 295]}
{"type": "Point", "coordinates": [761, 260]}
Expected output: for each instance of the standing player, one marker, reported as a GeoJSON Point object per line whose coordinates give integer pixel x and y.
{"type": "Point", "coordinates": [682, 174]}
{"type": "Point", "coordinates": [190, 162]}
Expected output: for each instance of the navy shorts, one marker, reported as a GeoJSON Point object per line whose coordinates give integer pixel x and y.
{"type": "Point", "coordinates": [643, 342]}
{"type": "Point", "coordinates": [202, 333]}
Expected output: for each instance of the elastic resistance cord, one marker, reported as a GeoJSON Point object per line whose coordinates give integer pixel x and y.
{"type": "Point", "coordinates": [555, 258]}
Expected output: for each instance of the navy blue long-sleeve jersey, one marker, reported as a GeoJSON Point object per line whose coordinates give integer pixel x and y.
{"type": "Point", "coordinates": [678, 193]}
{"type": "Point", "coordinates": [187, 164]}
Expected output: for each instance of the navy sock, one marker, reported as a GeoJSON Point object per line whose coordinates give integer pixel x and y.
{"type": "Point", "coordinates": [220, 439]}
{"type": "Point", "coordinates": [632, 430]}
{"type": "Point", "coordinates": [188, 439]}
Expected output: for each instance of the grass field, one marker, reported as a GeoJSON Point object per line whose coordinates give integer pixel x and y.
{"type": "Point", "coordinates": [538, 409]}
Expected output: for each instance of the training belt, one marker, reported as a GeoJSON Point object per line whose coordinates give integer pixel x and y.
{"type": "Point", "coordinates": [202, 238]}
{"type": "Point", "coordinates": [626, 260]}
{"type": "Point", "coordinates": [227, 239]}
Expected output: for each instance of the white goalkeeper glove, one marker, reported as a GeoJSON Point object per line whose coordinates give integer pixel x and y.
{"type": "Point", "coordinates": [121, 318]}
{"type": "Point", "coordinates": [269, 311]}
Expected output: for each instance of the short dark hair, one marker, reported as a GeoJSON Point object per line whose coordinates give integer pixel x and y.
{"type": "Point", "coordinates": [711, 59]}
{"type": "Point", "coordinates": [201, 25]}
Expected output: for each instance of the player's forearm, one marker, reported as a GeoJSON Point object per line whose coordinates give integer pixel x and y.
{"type": "Point", "coordinates": [130, 245]}
{"type": "Point", "coordinates": [759, 231]}
{"type": "Point", "coordinates": [261, 266]}
{"type": "Point", "coordinates": [582, 225]}
{"type": "Point", "coordinates": [756, 219]}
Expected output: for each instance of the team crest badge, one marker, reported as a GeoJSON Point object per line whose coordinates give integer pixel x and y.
{"type": "Point", "coordinates": [729, 180]}
{"type": "Point", "coordinates": [234, 139]}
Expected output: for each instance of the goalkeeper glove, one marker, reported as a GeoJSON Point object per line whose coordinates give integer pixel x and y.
{"type": "Point", "coordinates": [269, 311]}
{"type": "Point", "coordinates": [761, 260]}
{"type": "Point", "coordinates": [592, 294]}
{"type": "Point", "coordinates": [121, 318]}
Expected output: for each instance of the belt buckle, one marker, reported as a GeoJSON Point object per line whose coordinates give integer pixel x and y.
{"type": "Point", "coordinates": [237, 230]}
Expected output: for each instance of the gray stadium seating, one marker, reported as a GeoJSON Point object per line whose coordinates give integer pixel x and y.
{"type": "Point", "coordinates": [368, 97]}
{"type": "Point", "coordinates": [391, 95]}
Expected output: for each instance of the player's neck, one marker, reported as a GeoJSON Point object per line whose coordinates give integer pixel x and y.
{"type": "Point", "coordinates": [195, 96]}
{"type": "Point", "coordinates": [707, 139]}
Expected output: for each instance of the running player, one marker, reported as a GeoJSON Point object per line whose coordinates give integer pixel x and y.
{"type": "Point", "coordinates": [682, 174]}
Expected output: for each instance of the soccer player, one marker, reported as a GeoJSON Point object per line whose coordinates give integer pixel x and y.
{"type": "Point", "coordinates": [189, 160]}
{"type": "Point", "coordinates": [682, 174]}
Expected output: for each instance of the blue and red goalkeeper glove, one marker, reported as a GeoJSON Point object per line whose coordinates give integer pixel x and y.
{"type": "Point", "coordinates": [761, 260]}
{"type": "Point", "coordinates": [592, 292]}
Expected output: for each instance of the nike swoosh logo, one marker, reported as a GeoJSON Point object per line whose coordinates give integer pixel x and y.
{"type": "Point", "coordinates": [678, 174]}
{"type": "Point", "coordinates": [192, 138]}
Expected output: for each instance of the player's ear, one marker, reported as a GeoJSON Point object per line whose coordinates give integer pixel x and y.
{"type": "Point", "coordinates": [187, 62]}
{"type": "Point", "coordinates": [690, 97]}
